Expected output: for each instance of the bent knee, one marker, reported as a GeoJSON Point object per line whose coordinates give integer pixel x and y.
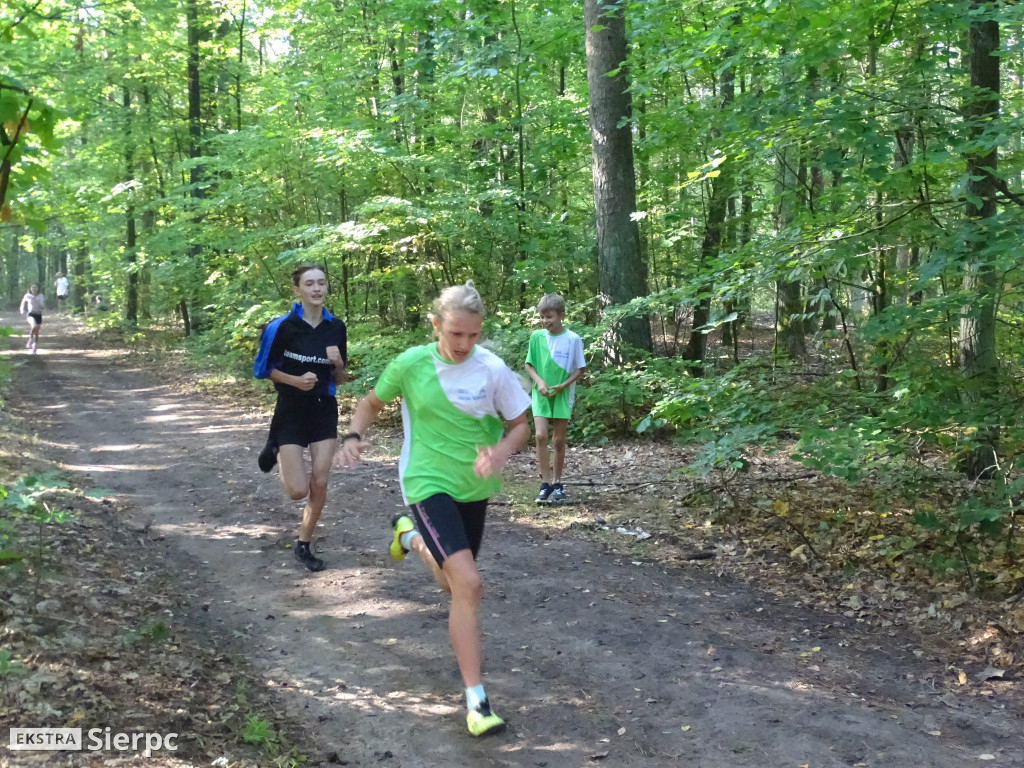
{"type": "Point", "coordinates": [297, 493]}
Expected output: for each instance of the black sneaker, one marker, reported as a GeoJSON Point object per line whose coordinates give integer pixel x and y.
{"type": "Point", "coordinates": [557, 494]}
{"type": "Point", "coordinates": [545, 492]}
{"type": "Point", "coordinates": [305, 556]}
{"type": "Point", "coordinates": [268, 456]}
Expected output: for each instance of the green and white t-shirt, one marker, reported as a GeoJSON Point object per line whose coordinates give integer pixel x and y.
{"type": "Point", "coordinates": [554, 358]}
{"type": "Point", "coordinates": [448, 409]}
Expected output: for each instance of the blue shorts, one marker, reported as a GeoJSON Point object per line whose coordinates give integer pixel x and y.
{"type": "Point", "coordinates": [448, 526]}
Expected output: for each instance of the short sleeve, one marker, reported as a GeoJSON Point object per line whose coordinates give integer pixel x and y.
{"type": "Point", "coordinates": [578, 360]}
{"type": "Point", "coordinates": [267, 355]}
{"type": "Point", "coordinates": [510, 400]}
{"type": "Point", "coordinates": [389, 385]}
{"type": "Point", "coordinates": [531, 351]}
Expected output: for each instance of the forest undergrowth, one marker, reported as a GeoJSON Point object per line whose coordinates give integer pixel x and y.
{"type": "Point", "coordinates": [814, 541]}
{"type": "Point", "coordinates": [890, 549]}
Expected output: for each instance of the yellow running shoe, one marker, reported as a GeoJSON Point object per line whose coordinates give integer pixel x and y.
{"type": "Point", "coordinates": [482, 722]}
{"type": "Point", "coordinates": [401, 524]}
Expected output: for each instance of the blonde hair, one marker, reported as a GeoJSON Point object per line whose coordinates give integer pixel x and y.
{"type": "Point", "coordinates": [551, 301]}
{"type": "Point", "coordinates": [458, 298]}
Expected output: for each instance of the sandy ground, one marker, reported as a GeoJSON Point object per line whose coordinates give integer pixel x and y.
{"type": "Point", "coordinates": [593, 658]}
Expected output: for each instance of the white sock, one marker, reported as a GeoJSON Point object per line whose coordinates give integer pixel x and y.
{"type": "Point", "coordinates": [474, 696]}
{"type": "Point", "coordinates": [406, 539]}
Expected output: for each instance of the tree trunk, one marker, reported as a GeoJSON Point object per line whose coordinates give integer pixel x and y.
{"type": "Point", "coordinates": [241, 64]}
{"type": "Point", "coordinates": [721, 193]}
{"type": "Point", "coordinates": [195, 136]}
{"type": "Point", "coordinates": [789, 321]}
{"type": "Point", "coordinates": [7, 143]}
{"type": "Point", "coordinates": [131, 304]}
{"type": "Point", "coordinates": [78, 293]}
{"type": "Point", "coordinates": [12, 265]}
{"type": "Point", "coordinates": [185, 319]}
{"type": "Point", "coordinates": [978, 365]}
{"type": "Point", "coordinates": [622, 274]}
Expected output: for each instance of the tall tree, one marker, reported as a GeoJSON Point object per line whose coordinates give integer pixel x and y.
{"type": "Point", "coordinates": [622, 273]}
{"type": "Point", "coordinates": [131, 312]}
{"type": "Point", "coordinates": [978, 364]}
{"type": "Point", "coordinates": [722, 188]}
{"type": "Point", "coordinates": [195, 138]}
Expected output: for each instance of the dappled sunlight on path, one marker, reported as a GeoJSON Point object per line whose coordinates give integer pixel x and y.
{"type": "Point", "coordinates": [590, 656]}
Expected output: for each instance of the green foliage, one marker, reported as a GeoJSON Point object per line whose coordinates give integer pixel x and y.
{"type": "Point", "coordinates": [152, 632]}
{"type": "Point", "coordinates": [724, 414]}
{"type": "Point", "coordinates": [21, 504]}
{"type": "Point", "coordinates": [10, 668]}
{"type": "Point", "coordinates": [258, 732]}
{"type": "Point", "coordinates": [371, 348]}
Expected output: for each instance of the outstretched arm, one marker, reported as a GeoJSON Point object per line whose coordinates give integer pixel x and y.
{"type": "Point", "coordinates": [366, 412]}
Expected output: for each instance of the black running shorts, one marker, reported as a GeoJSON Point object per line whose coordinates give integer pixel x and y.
{"type": "Point", "coordinates": [305, 420]}
{"type": "Point", "coordinates": [450, 526]}
{"type": "Point", "coordinates": [37, 316]}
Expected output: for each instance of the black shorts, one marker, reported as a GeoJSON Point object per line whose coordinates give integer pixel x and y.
{"type": "Point", "coordinates": [61, 296]}
{"type": "Point", "coordinates": [450, 526]}
{"type": "Point", "coordinates": [37, 316]}
{"type": "Point", "coordinates": [304, 420]}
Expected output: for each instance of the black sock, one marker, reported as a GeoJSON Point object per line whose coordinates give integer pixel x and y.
{"type": "Point", "coordinates": [268, 456]}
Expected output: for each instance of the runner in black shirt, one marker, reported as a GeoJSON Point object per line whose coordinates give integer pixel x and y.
{"type": "Point", "coordinates": [304, 354]}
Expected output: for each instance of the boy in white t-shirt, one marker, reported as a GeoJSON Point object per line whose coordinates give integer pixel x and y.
{"type": "Point", "coordinates": [555, 363]}
{"type": "Point", "coordinates": [61, 286]}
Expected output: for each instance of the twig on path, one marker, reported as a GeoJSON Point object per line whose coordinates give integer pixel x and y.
{"type": "Point", "coordinates": [701, 554]}
{"type": "Point", "coordinates": [809, 476]}
{"type": "Point", "coordinates": [799, 533]}
{"type": "Point", "coordinates": [591, 484]}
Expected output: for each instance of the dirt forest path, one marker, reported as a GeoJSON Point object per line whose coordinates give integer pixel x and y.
{"type": "Point", "coordinates": [593, 658]}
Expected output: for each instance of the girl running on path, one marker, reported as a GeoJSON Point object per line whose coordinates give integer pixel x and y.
{"type": "Point", "coordinates": [33, 304]}
{"type": "Point", "coordinates": [455, 396]}
{"type": "Point", "coordinates": [304, 354]}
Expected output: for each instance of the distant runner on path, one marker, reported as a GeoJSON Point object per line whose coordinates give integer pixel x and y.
{"type": "Point", "coordinates": [304, 354]}
{"type": "Point", "coordinates": [455, 398]}
{"type": "Point", "coordinates": [33, 304]}
{"type": "Point", "coordinates": [61, 286]}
